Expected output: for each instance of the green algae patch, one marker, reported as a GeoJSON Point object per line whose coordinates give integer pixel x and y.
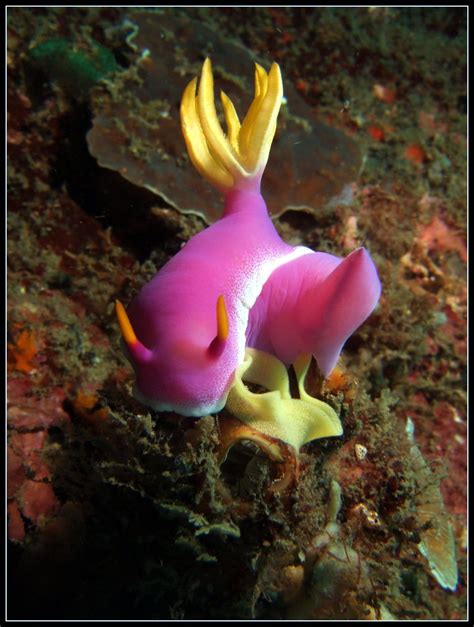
{"type": "Point", "coordinates": [74, 67]}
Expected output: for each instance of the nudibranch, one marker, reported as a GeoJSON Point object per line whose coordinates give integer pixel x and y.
{"type": "Point", "coordinates": [237, 284]}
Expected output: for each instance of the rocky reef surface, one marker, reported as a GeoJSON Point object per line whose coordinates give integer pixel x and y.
{"type": "Point", "coordinates": [116, 512]}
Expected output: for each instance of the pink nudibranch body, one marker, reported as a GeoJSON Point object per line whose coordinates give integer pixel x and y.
{"type": "Point", "coordinates": [312, 305]}
{"type": "Point", "coordinates": [175, 312]}
{"type": "Point", "coordinates": [282, 299]}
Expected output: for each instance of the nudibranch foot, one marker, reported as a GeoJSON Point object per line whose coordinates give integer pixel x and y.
{"type": "Point", "coordinates": [301, 366]}
{"type": "Point", "coordinates": [275, 413]}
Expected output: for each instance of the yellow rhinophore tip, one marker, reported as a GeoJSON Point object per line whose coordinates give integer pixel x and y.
{"type": "Point", "coordinates": [125, 325]}
{"type": "Point", "coordinates": [238, 158]}
{"type": "Point", "coordinates": [222, 319]}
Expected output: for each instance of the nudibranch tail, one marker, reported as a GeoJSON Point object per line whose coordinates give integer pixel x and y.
{"type": "Point", "coordinates": [138, 351]}
{"type": "Point", "coordinates": [236, 160]}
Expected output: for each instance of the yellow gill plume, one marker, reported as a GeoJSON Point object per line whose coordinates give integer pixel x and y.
{"type": "Point", "coordinates": [235, 160]}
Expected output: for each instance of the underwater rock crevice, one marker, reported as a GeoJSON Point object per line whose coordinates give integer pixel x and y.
{"type": "Point", "coordinates": [141, 222]}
